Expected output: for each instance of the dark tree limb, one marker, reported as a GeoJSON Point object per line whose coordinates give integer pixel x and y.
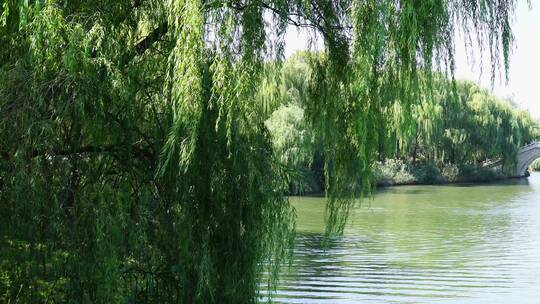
{"type": "Point", "coordinates": [153, 37]}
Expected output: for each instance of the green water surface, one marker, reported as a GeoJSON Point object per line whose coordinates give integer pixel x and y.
{"type": "Point", "coordinates": [423, 244]}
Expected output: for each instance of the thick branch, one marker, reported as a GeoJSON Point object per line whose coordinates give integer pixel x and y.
{"type": "Point", "coordinates": [153, 37]}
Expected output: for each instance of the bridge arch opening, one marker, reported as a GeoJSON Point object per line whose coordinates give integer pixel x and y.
{"type": "Point", "coordinates": [526, 156]}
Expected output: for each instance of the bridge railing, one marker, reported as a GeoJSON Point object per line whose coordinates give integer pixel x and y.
{"type": "Point", "coordinates": [527, 147]}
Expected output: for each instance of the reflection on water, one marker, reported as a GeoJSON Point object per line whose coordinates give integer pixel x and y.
{"type": "Point", "coordinates": [423, 244]}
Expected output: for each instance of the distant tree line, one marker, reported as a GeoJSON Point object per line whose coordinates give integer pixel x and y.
{"type": "Point", "coordinates": [456, 127]}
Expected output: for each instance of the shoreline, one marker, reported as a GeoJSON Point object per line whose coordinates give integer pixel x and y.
{"type": "Point", "coordinates": [472, 182]}
{"type": "Point", "coordinates": [498, 180]}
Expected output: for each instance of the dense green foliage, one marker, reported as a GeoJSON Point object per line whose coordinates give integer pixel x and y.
{"type": "Point", "coordinates": [402, 172]}
{"type": "Point", "coordinates": [456, 127]}
{"type": "Point", "coordinates": [469, 126]}
{"type": "Point", "coordinates": [456, 131]}
{"type": "Point", "coordinates": [135, 163]}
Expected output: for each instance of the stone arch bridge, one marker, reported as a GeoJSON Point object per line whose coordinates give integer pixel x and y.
{"type": "Point", "coordinates": [525, 156]}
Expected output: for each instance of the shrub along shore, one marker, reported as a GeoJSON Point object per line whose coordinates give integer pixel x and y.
{"type": "Point", "coordinates": [396, 172]}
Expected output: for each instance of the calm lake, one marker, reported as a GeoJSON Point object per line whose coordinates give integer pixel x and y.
{"type": "Point", "coordinates": [423, 244]}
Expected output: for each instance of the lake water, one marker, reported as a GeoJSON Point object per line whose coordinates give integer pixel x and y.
{"type": "Point", "coordinates": [423, 244]}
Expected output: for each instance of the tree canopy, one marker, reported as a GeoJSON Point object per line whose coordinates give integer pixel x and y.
{"type": "Point", "coordinates": [456, 127]}
{"type": "Point", "coordinates": [135, 163]}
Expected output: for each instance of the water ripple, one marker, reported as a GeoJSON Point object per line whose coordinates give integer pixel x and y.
{"type": "Point", "coordinates": [416, 246]}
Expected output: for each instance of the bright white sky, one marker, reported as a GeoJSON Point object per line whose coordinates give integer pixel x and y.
{"type": "Point", "coordinates": [524, 76]}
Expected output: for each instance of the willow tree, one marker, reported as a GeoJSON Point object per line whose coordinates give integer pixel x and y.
{"type": "Point", "coordinates": [461, 124]}
{"type": "Point", "coordinates": [134, 163]}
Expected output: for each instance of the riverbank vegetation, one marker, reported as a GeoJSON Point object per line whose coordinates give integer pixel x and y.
{"type": "Point", "coordinates": [136, 164]}
{"type": "Point", "coordinates": [456, 127]}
